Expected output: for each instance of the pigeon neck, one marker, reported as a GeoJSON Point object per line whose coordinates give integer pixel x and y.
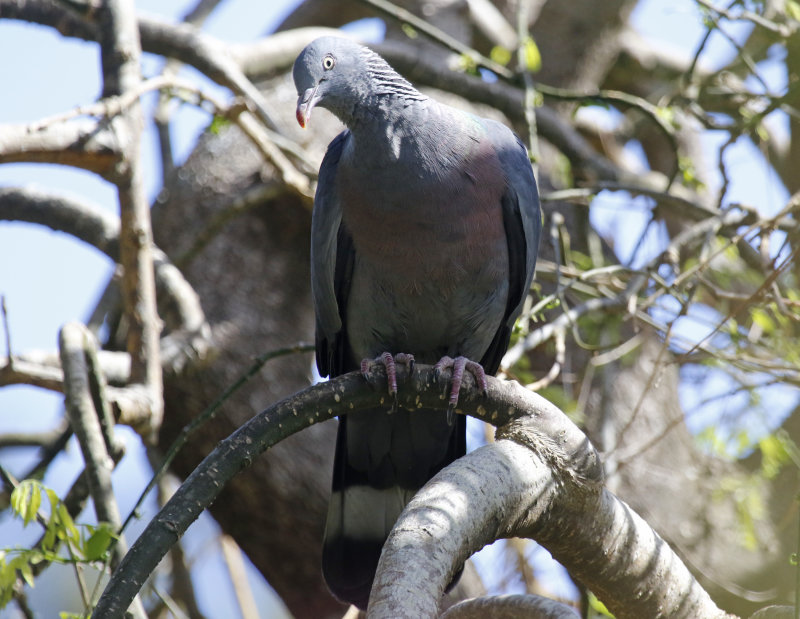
{"type": "Point", "coordinates": [382, 129]}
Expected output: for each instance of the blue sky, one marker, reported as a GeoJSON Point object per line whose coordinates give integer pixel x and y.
{"type": "Point", "coordinates": [49, 279]}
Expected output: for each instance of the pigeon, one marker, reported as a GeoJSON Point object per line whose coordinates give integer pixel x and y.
{"type": "Point", "coordinates": [424, 236]}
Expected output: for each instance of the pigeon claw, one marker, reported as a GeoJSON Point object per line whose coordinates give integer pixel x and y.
{"type": "Point", "coordinates": [389, 363]}
{"type": "Point", "coordinates": [459, 365]}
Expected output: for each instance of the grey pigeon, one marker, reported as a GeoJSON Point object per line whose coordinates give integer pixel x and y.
{"type": "Point", "coordinates": [424, 236]}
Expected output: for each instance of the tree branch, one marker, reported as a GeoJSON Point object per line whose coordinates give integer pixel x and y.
{"type": "Point", "coordinates": [85, 144]}
{"type": "Point", "coordinates": [509, 489]}
{"type": "Point", "coordinates": [75, 343]}
{"type": "Point", "coordinates": [120, 52]}
{"type": "Point", "coordinates": [561, 465]}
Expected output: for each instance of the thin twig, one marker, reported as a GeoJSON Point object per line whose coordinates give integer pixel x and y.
{"type": "Point", "coordinates": [782, 30]}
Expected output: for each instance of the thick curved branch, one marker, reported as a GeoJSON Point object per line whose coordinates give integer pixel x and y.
{"type": "Point", "coordinates": [319, 403]}
{"type": "Point", "coordinates": [507, 489]}
{"type": "Point", "coordinates": [101, 230]}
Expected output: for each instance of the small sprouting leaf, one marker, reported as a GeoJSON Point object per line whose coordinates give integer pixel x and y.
{"type": "Point", "coordinates": [218, 123]}
{"type": "Point", "coordinates": [532, 57]}
{"type": "Point", "coordinates": [409, 31]}
{"type": "Point", "coordinates": [688, 170]}
{"type": "Point", "coordinates": [26, 500]}
{"type": "Point", "coordinates": [500, 55]}
{"type": "Point", "coordinates": [667, 114]}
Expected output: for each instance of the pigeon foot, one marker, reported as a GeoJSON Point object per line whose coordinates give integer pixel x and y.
{"type": "Point", "coordinates": [389, 363]}
{"type": "Point", "coordinates": [459, 365]}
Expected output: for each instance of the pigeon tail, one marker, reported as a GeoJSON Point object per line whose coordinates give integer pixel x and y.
{"type": "Point", "coordinates": [381, 462]}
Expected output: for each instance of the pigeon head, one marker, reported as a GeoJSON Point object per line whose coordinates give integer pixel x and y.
{"type": "Point", "coordinates": [329, 72]}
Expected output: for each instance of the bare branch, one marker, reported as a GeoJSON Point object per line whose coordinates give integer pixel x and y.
{"type": "Point", "coordinates": [74, 342]}
{"type": "Point", "coordinates": [85, 144]}
{"type": "Point", "coordinates": [238, 575]}
{"type": "Point", "coordinates": [490, 21]}
{"type": "Point", "coordinates": [43, 369]}
{"type": "Point", "coordinates": [120, 51]}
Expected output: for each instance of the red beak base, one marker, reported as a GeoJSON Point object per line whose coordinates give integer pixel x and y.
{"type": "Point", "coordinates": [306, 103]}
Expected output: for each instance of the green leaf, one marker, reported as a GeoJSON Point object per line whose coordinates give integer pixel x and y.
{"type": "Point", "coordinates": [96, 546]}
{"type": "Point", "coordinates": [26, 571]}
{"type": "Point", "coordinates": [20, 498]}
{"type": "Point", "coordinates": [53, 498]}
{"type": "Point", "coordinates": [532, 57]}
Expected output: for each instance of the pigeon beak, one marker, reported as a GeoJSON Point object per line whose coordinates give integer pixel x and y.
{"type": "Point", "coordinates": [306, 103]}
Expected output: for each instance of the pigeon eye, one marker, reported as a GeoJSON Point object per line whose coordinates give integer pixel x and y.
{"type": "Point", "coordinates": [328, 62]}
